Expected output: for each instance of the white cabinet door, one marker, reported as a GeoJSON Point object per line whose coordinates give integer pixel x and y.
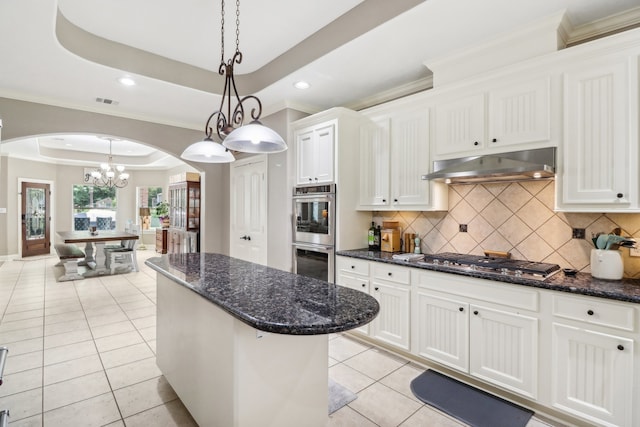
{"type": "Point", "coordinates": [392, 323]}
{"type": "Point", "coordinates": [315, 154]}
{"type": "Point", "coordinates": [249, 210]}
{"type": "Point", "coordinates": [374, 163]}
{"type": "Point", "coordinates": [598, 165]}
{"type": "Point", "coordinates": [443, 330]}
{"type": "Point", "coordinates": [306, 166]}
{"type": "Point", "coordinates": [504, 349]}
{"type": "Point", "coordinates": [593, 375]}
{"type": "Point", "coordinates": [324, 140]}
{"type": "Point", "coordinates": [410, 159]}
{"type": "Point", "coordinates": [460, 125]}
{"type": "Point", "coordinates": [520, 113]}
{"type": "Point", "coordinates": [359, 283]}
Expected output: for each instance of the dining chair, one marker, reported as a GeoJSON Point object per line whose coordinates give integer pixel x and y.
{"type": "Point", "coordinates": [81, 223]}
{"type": "Point", "coordinates": [103, 223]}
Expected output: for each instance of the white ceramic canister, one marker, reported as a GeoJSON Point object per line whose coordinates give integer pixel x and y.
{"type": "Point", "coordinates": [606, 264]}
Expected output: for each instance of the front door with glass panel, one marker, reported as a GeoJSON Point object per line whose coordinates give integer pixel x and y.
{"type": "Point", "coordinates": [36, 219]}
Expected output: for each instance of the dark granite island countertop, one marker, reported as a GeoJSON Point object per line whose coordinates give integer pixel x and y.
{"type": "Point", "coordinates": [268, 299]}
{"type": "Point", "coordinates": [246, 345]}
{"type": "Point", "coordinates": [584, 284]}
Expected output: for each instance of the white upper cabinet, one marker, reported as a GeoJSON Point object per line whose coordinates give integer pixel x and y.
{"type": "Point", "coordinates": [599, 153]}
{"type": "Point", "coordinates": [315, 154]}
{"type": "Point", "coordinates": [394, 153]}
{"type": "Point", "coordinates": [374, 163]}
{"type": "Point", "coordinates": [460, 125]}
{"type": "Point", "coordinates": [520, 113]}
{"type": "Point", "coordinates": [505, 116]}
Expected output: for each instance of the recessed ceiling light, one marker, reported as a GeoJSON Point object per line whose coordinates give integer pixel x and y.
{"type": "Point", "coordinates": [301, 85]}
{"type": "Point", "coordinates": [126, 81]}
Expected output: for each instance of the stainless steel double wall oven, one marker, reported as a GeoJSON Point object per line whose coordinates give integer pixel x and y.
{"type": "Point", "coordinates": [314, 228]}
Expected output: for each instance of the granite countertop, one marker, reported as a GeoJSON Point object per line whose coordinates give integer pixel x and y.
{"type": "Point", "coordinates": [582, 283]}
{"type": "Point", "coordinates": [266, 298]}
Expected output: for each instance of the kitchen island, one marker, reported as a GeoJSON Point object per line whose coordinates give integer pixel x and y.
{"type": "Point", "coordinates": [243, 344]}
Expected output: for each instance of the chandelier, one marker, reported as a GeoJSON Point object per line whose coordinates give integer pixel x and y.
{"type": "Point", "coordinates": [229, 127]}
{"type": "Point", "coordinates": [105, 175]}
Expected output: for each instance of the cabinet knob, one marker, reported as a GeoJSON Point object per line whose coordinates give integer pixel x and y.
{"type": "Point", "coordinates": [475, 312]}
{"type": "Point", "coordinates": [389, 273]}
{"type": "Point", "coordinates": [376, 288]}
{"type": "Point", "coordinates": [384, 200]}
{"type": "Point", "coordinates": [364, 285]}
{"type": "Point", "coordinates": [310, 179]}
{"type": "Point", "coordinates": [620, 347]}
{"type": "Point", "coordinates": [461, 309]}
{"type": "Point", "coordinates": [316, 178]}
{"type": "Point", "coordinates": [476, 143]}
{"type": "Point", "coordinates": [494, 140]}
{"type": "Point", "coordinates": [590, 312]}
{"type": "Point", "coordinates": [248, 237]}
{"type": "Point", "coordinates": [395, 200]}
{"type": "Point", "coordinates": [619, 195]}
{"type": "Point", "coordinates": [353, 266]}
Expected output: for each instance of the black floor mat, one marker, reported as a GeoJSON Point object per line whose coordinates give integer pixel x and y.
{"type": "Point", "coordinates": [467, 404]}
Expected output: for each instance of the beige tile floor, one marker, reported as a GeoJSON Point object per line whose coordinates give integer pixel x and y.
{"type": "Point", "coordinates": [82, 354]}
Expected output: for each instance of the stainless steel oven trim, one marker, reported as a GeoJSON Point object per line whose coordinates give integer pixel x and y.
{"type": "Point", "coordinates": [330, 250]}
{"type": "Point", "coordinates": [320, 239]}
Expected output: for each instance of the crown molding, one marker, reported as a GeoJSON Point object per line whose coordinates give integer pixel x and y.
{"type": "Point", "coordinates": [401, 91]}
{"type": "Point", "coordinates": [605, 26]}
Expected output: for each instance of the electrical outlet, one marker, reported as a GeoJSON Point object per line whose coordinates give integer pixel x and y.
{"type": "Point", "coordinates": [578, 233]}
{"type": "Point", "coordinates": [634, 251]}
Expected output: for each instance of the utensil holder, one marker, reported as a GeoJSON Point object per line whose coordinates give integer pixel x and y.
{"type": "Point", "coordinates": [606, 264]}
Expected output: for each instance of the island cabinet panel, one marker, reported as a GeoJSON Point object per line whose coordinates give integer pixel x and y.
{"type": "Point", "coordinates": [593, 375]}
{"type": "Point", "coordinates": [233, 374]}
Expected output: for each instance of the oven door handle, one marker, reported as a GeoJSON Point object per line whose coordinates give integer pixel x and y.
{"type": "Point", "coordinates": [313, 247]}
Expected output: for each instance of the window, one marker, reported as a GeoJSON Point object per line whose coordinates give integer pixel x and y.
{"type": "Point", "coordinates": [150, 197]}
{"type": "Point", "coordinates": [94, 207]}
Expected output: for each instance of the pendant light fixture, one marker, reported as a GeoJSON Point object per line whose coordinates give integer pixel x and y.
{"type": "Point", "coordinates": [253, 137]}
{"type": "Point", "coordinates": [105, 175]}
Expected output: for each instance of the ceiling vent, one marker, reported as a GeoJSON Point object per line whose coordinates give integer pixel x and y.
{"type": "Point", "coordinates": [107, 101]}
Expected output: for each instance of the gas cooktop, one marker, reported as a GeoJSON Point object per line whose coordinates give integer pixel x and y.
{"type": "Point", "coordinates": [493, 265]}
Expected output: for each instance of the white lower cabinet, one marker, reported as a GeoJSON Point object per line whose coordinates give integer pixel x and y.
{"type": "Point", "coordinates": [499, 346]}
{"type": "Point", "coordinates": [504, 349]}
{"type": "Point", "coordinates": [570, 353]}
{"type": "Point", "coordinates": [390, 286]}
{"type": "Point", "coordinates": [593, 375]}
{"type": "Point", "coordinates": [442, 333]}
{"type": "Point", "coordinates": [392, 323]}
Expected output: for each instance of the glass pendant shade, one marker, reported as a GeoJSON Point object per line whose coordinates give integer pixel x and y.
{"type": "Point", "coordinates": [255, 138]}
{"type": "Point", "coordinates": [207, 151]}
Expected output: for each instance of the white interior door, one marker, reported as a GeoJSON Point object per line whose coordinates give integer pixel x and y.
{"type": "Point", "coordinates": [249, 210]}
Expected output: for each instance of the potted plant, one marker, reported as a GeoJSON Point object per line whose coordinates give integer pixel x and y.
{"type": "Point", "coordinates": [162, 212]}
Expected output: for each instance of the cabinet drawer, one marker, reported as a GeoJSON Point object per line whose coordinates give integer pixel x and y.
{"type": "Point", "coordinates": [518, 297]}
{"type": "Point", "coordinates": [357, 283]}
{"type": "Point", "coordinates": [391, 273]}
{"type": "Point", "coordinates": [353, 265]}
{"type": "Point", "coordinates": [595, 311]}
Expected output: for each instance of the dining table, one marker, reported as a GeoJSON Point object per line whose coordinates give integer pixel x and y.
{"type": "Point", "coordinates": [98, 238]}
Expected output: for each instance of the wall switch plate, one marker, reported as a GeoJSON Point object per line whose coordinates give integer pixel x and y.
{"type": "Point", "coordinates": [634, 251]}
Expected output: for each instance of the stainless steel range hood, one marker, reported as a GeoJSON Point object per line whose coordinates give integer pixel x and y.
{"type": "Point", "coordinates": [503, 167]}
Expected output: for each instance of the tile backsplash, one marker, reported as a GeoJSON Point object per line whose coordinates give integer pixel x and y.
{"type": "Point", "coordinates": [517, 218]}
